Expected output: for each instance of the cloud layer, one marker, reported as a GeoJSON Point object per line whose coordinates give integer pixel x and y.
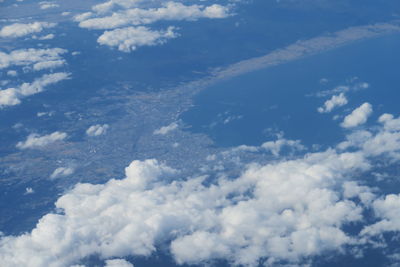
{"type": "Point", "coordinates": [126, 20]}
{"type": "Point", "coordinates": [285, 211]}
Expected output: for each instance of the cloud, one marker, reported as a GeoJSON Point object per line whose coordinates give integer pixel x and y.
{"type": "Point", "coordinates": [128, 39]}
{"type": "Point", "coordinates": [96, 130]}
{"type": "Point", "coordinates": [9, 97]}
{"type": "Point", "coordinates": [37, 141]}
{"type": "Point", "coordinates": [61, 172]}
{"type": "Point", "coordinates": [27, 57]}
{"type": "Point", "coordinates": [282, 211]}
{"type": "Point", "coordinates": [13, 96]}
{"type": "Point", "coordinates": [29, 190]}
{"type": "Point", "coordinates": [389, 122]}
{"type": "Point", "coordinates": [166, 129]}
{"type": "Point", "coordinates": [118, 263]}
{"type": "Point", "coordinates": [19, 29]}
{"type": "Point", "coordinates": [275, 147]}
{"type": "Point", "coordinates": [385, 140]}
{"type": "Point", "coordinates": [45, 37]}
{"type": "Point", "coordinates": [83, 16]}
{"type": "Point", "coordinates": [168, 11]}
{"type": "Point", "coordinates": [344, 88]}
{"type": "Point", "coordinates": [388, 210]}
{"type": "Point", "coordinates": [47, 5]}
{"type": "Point", "coordinates": [335, 101]}
{"type": "Point", "coordinates": [48, 64]}
{"type": "Point", "coordinates": [358, 116]}
{"type": "Point", "coordinates": [126, 21]}
{"type": "Point", "coordinates": [109, 5]}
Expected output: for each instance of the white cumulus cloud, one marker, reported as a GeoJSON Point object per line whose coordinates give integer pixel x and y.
{"type": "Point", "coordinates": [333, 102]}
{"type": "Point", "coordinates": [96, 130]}
{"type": "Point", "coordinates": [47, 5]}
{"type": "Point", "coordinates": [387, 209]}
{"type": "Point", "coordinates": [37, 141]}
{"type": "Point", "coordinates": [29, 190]}
{"type": "Point", "coordinates": [44, 37]}
{"type": "Point", "coordinates": [293, 212]}
{"type": "Point", "coordinates": [358, 116]}
{"type": "Point", "coordinates": [130, 38]}
{"type": "Point", "coordinates": [27, 57]}
{"type": "Point", "coordinates": [118, 263]}
{"type": "Point", "coordinates": [166, 129]}
{"type": "Point", "coordinates": [13, 96]}
{"type": "Point", "coordinates": [48, 64]}
{"type": "Point", "coordinates": [139, 16]}
{"type": "Point", "coordinates": [109, 5]}
{"type": "Point", "coordinates": [20, 29]}
{"type": "Point", "coordinates": [385, 140]}
{"type": "Point", "coordinates": [275, 147]}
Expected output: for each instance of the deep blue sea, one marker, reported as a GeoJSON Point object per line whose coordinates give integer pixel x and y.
{"type": "Point", "coordinates": [283, 98]}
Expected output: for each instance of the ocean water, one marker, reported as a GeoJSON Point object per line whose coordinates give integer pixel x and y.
{"type": "Point", "coordinates": [283, 98]}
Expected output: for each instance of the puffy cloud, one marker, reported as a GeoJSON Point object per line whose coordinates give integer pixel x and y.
{"type": "Point", "coordinates": [41, 114]}
{"type": "Point", "coordinates": [129, 18]}
{"type": "Point", "coordinates": [26, 57]}
{"type": "Point", "coordinates": [61, 172]}
{"type": "Point", "coordinates": [48, 64]}
{"type": "Point", "coordinates": [166, 129]}
{"type": "Point", "coordinates": [281, 211]}
{"type": "Point", "coordinates": [388, 210]}
{"type": "Point", "coordinates": [47, 5]}
{"type": "Point", "coordinates": [275, 147]}
{"type": "Point", "coordinates": [118, 263]}
{"type": "Point", "coordinates": [29, 190]}
{"type": "Point", "coordinates": [364, 193]}
{"type": "Point", "coordinates": [289, 210]}
{"type": "Point", "coordinates": [20, 29]}
{"type": "Point", "coordinates": [389, 122]}
{"type": "Point", "coordinates": [169, 11]}
{"type": "Point", "coordinates": [128, 39]}
{"type": "Point", "coordinates": [109, 5]}
{"type": "Point", "coordinates": [13, 96]}
{"type": "Point", "coordinates": [358, 116]}
{"type": "Point", "coordinates": [83, 16]}
{"type": "Point", "coordinates": [384, 140]}
{"type": "Point", "coordinates": [335, 101]}
{"type": "Point", "coordinates": [37, 141]}
{"type": "Point", "coordinates": [9, 97]}
{"type": "Point", "coordinates": [96, 130]}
